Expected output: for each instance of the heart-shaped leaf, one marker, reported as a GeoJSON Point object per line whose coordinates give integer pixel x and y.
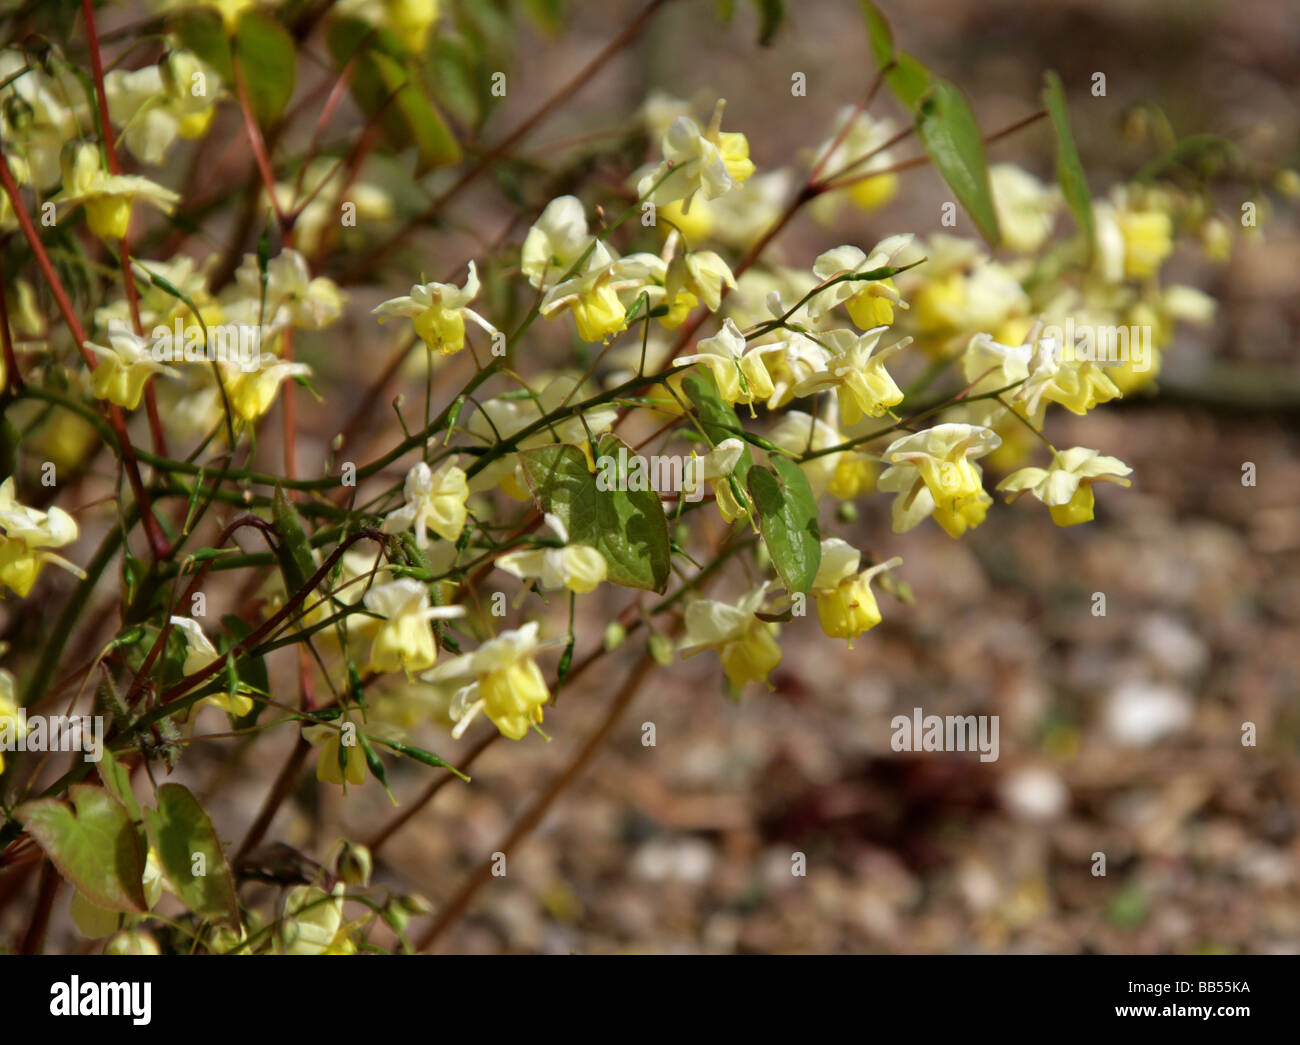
{"type": "Point", "coordinates": [93, 843]}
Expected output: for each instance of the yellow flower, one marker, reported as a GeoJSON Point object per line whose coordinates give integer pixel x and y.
{"type": "Point", "coordinates": [1078, 385]}
{"type": "Point", "coordinates": [123, 369]}
{"type": "Point", "coordinates": [341, 758]}
{"type": "Point", "coordinates": [1066, 487]}
{"type": "Point", "coordinates": [1026, 207]}
{"type": "Point", "coordinates": [502, 418]}
{"type": "Point", "coordinates": [27, 534]}
{"type": "Point", "coordinates": [12, 725]}
{"type": "Point", "coordinates": [1130, 243]}
{"type": "Point", "coordinates": [199, 654]}
{"type": "Point", "coordinates": [504, 682]}
{"type": "Point", "coordinates": [556, 240]}
{"type": "Point", "coordinates": [854, 137]}
{"type": "Point", "coordinates": [251, 392]}
{"type": "Point", "coordinates": [703, 274]}
{"type": "Point", "coordinates": [155, 104]}
{"type": "Point", "coordinates": [291, 294]}
{"type": "Point", "coordinates": [1148, 240]}
{"type": "Point", "coordinates": [313, 922]}
{"type": "Point", "coordinates": [434, 501]}
{"type": "Point", "coordinates": [716, 468]}
{"type": "Point", "coordinates": [107, 197]}
{"type": "Point", "coordinates": [846, 606]}
{"type": "Point", "coordinates": [837, 473]}
{"type": "Point", "coordinates": [438, 311]}
{"type": "Point", "coordinates": [403, 640]}
{"type": "Point", "coordinates": [857, 373]}
{"type": "Point", "coordinates": [933, 474]}
{"type": "Point", "coordinates": [408, 20]}
{"type": "Point", "coordinates": [741, 375]}
{"type": "Point", "coordinates": [577, 567]}
{"type": "Point", "coordinates": [870, 302]}
{"type": "Point", "coordinates": [594, 296]}
{"type": "Point", "coordinates": [745, 644]}
{"type": "Point", "coordinates": [710, 162]}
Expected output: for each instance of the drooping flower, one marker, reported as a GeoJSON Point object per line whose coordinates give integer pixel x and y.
{"type": "Point", "coordinates": [503, 681]}
{"type": "Point", "coordinates": [199, 654]}
{"type": "Point", "coordinates": [1026, 208]}
{"type": "Point", "coordinates": [578, 567]}
{"type": "Point", "coordinates": [252, 391]}
{"type": "Point", "coordinates": [107, 197]}
{"type": "Point", "coordinates": [870, 303]}
{"type": "Point", "coordinates": [1066, 486]}
{"type": "Point", "coordinates": [556, 240]}
{"type": "Point", "coordinates": [596, 296]}
{"type": "Point", "coordinates": [711, 162]}
{"type": "Point", "coordinates": [291, 294]}
{"type": "Point", "coordinates": [438, 312]}
{"type": "Point", "coordinates": [403, 638]}
{"type": "Point", "coordinates": [434, 501]}
{"type": "Point", "coordinates": [159, 103]}
{"type": "Point", "coordinates": [739, 372]}
{"type": "Point", "coordinates": [745, 644]}
{"type": "Point", "coordinates": [27, 536]}
{"type": "Point", "coordinates": [933, 472]}
{"type": "Point", "coordinates": [857, 372]}
{"type": "Point", "coordinates": [843, 474]}
{"type": "Point", "coordinates": [856, 146]}
{"type": "Point", "coordinates": [716, 468]}
{"type": "Point", "coordinates": [846, 605]}
{"type": "Point", "coordinates": [124, 367]}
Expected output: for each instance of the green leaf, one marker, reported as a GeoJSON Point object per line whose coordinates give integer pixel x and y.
{"type": "Point", "coordinates": [93, 843]}
{"type": "Point", "coordinates": [200, 30]}
{"type": "Point", "coordinates": [547, 15]}
{"type": "Point", "coordinates": [117, 778]}
{"type": "Point", "coordinates": [267, 60]}
{"type": "Point", "coordinates": [385, 85]}
{"type": "Point", "coordinates": [627, 527]}
{"type": "Point", "coordinates": [947, 128]}
{"type": "Point", "coordinates": [179, 831]}
{"type": "Point", "coordinates": [1069, 171]}
{"type": "Point", "coordinates": [433, 140]}
{"type": "Point", "coordinates": [771, 13]}
{"type": "Point", "coordinates": [907, 78]}
{"type": "Point", "coordinates": [294, 551]}
{"type": "Point", "coordinates": [787, 518]}
{"type": "Point", "coordinates": [718, 420]}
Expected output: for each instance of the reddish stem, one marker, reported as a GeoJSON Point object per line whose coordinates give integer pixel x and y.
{"type": "Point", "coordinates": [157, 541]}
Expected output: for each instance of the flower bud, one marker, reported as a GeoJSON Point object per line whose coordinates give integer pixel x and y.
{"type": "Point", "coordinates": [661, 648]}
{"type": "Point", "coordinates": [131, 942]}
{"type": "Point", "coordinates": [355, 864]}
{"type": "Point", "coordinates": [615, 633]}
